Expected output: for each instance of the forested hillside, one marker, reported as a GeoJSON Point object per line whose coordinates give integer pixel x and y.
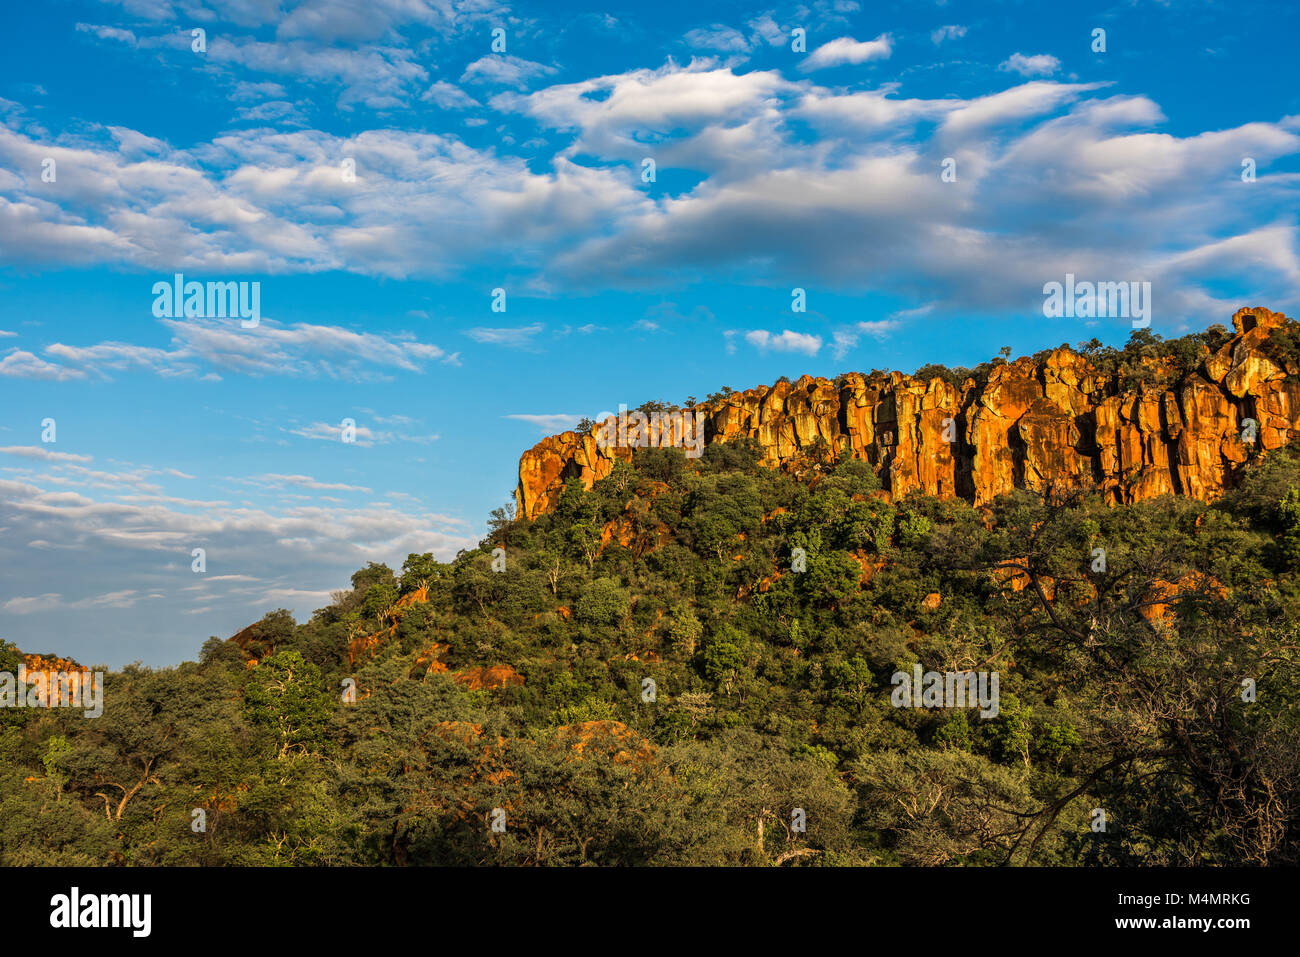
{"type": "Point", "coordinates": [1124, 688]}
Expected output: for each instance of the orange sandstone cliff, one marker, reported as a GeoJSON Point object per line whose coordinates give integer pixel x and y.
{"type": "Point", "coordinates": [1057, 421]}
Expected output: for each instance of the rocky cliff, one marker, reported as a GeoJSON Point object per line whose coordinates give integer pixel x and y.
{"type": "Point", "coordinates": [1057, 419]}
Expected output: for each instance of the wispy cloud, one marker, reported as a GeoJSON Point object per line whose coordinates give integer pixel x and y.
{"type": "Point", "coordinates": [306, 481]}
{"type": "Point", "coordinates": [362, 434]}
{"type": "Point", "coordinates": [34, 603]}
{"type": "Point", "coordinates": [717, 37]}
{"type": "Point", "coordinates": [845, 340]}
{"type": "Point", "coordinates": [547, 423]}
{"type": "Point", "coordinates": [42, 453]}
{"type": "Point", "coordinates": [257, 558]}
{"type": "Point", "coordinates": [519, 337]}
{"type": "Point", "coordinates": [25, 365]}
{"type": "Point", "coordinates": [201, 347]}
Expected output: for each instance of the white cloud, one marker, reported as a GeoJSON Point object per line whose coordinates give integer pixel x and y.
{"type": "Point", "coordinates": [844, 50]}
{"type": "Point", "coordinates": [548, 423]}
{"type": "Point", "coordinates": [364, 435]}
{"type": "Point", "coordinates": [845, 340]}
{"type": "Point", "coordinates": [1010, 106]}
{"type": "Point", "coordinates": [332, 432]}
{"type": "Point", "coordinates": [257, 559]}
{"type": "Point", "coordinates": [950, 32]}
{"type": "Point", "coordinates": [108, 33]}
{"type": "Point", "coordinates": [43, 454]}
{"type": "Point", "coordinates": [449, 96]}
{"type": "Point", "coordinates": [505, 70]}
{"type": "Point", "coordinates": [251, 201]}
{"type": "Point", "coordinates": [322, 20]}
{"type": "Point", "coordinates": [787, 341]}
{"type": "Point", "coordinates": [21, 364]}
{"type": "Point", "coordinates": [696, 117]}
{"type": "Point", "coordinates": [245, 90]}
{"type": "Point", "coordinates": [306, 481]}
{"type": "Point", "coordinates": [1040, 64]}
{"type": "Point", "coordinates": [26, 606]}
{"type": "Point", "coordinates": [767, 202]}
{"type": "Point", "coordinates": [517, 336]}
{"type": "Point", "coordinates": [766, 29]}
{"type": "Point", "coordinates": [878, 329]}
{"type": "Point", "coordinates": [124, 598]}
{"type": "Point", "coordinates": [299, 350]}
{"type": "Point", "coordinates": [717, 37]}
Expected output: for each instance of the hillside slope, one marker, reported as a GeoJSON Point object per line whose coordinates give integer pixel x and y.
{"type": "Point", "coordinates": [697, 661]}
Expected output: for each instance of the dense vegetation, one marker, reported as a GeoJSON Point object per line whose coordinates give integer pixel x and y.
{"type": "Point", "coordinates": [1121, 690]}
{"type": "Point", "coordinates": [1146, 359]}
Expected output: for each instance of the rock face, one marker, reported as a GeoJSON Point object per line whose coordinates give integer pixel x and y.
{"type": "Point", "coordinates": [45, 671]}
{"type": "Point", "coordinates": [1029, 424]}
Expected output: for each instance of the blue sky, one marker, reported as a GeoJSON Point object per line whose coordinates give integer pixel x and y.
{"type": "Point", "coordinates": [521, 169]}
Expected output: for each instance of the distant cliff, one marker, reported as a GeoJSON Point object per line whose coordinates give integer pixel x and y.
{"type": "Point", "coordinates": [1053, 420]}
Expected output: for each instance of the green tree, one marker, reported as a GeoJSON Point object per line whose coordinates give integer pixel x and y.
{"type": "Point", "coordinates": [285, 698]}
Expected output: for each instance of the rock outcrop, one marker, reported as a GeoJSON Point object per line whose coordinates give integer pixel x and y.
{"type": "Point", "coordinates": [51, 674]}
{"type": "Point", "coordinates": [1057, 420]}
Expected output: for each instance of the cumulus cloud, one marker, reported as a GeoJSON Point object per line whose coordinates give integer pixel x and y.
{"type": "Point", "coordinates": [869, 209]}
{"type": "Point", "coordinates": [844, 50]}
{"type": "Point", "coordinates": [787, 341]}
{"type": "Point", "coordinates": [1040, 64]}
{"type": "Point", "coordinates": [865, 207]}
{"type": "Point", "coordinates": [449, 96]}
{"type": "Point", "coordinates": [252, 201]}
{"type": "Point", "coordinates": [697, 117]}
{"type": "Point", "coordinates": [504, 70]}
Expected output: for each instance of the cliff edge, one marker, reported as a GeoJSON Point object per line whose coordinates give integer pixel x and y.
{"type": "Point", "coordinates": [1057, 420]}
